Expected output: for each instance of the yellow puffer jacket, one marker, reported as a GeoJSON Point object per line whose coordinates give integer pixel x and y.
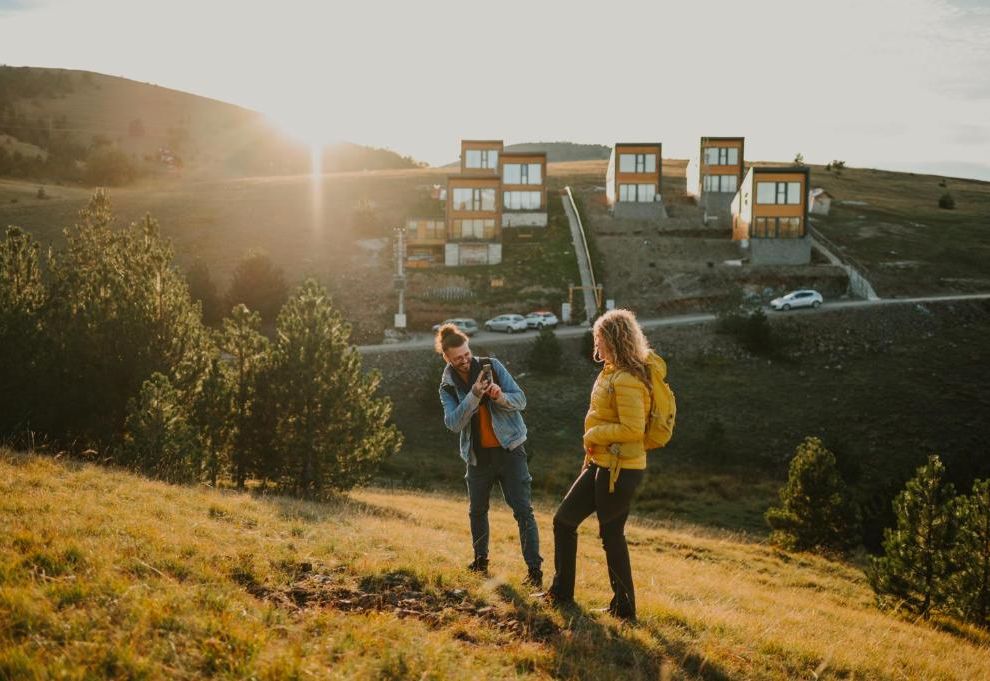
{"type": "Point", "coordinates": [615, 424]}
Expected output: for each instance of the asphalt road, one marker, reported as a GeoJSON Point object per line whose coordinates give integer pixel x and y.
{"type": "Point", "coordinates": [419, 341]}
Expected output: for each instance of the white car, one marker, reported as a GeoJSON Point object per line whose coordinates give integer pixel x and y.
{"type": "Point", "coordinates": [510, 323]}
{"type": "Point", "coordinates": [541, 318]}
{"type": "Point", "coordinates": [467, 325]}
{"type": "Point", "coordinates": [802, 298]}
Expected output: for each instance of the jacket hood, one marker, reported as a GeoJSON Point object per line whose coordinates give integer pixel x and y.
{"type": "Point", "coordinates": [656, 362]}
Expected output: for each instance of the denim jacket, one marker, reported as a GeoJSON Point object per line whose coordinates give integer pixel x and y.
{"type": "Point", "coordinates": [507, 421]}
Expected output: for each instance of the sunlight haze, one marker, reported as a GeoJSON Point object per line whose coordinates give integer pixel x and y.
{"type": "Point", "coordinates": [898, 85]}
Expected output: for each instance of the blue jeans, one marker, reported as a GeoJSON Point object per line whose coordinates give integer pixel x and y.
{"type": "Point", "coordinates": [509, 469]}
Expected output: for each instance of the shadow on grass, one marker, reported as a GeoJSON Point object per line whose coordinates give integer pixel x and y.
{"type": "Point", "coordinates": [592, 647]}
{"type": "Point", "coordinates": [312, 512]}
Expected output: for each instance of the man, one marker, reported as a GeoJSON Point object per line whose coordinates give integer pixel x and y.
{"type": "Point", "coordinates": [482, 402]}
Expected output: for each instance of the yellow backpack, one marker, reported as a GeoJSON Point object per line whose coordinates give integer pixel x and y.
{"type": "Point", "coordinates": [663, 406]}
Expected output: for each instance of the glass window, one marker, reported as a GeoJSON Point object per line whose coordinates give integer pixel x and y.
{"type": "Point", "coordinates": [733, 157]}
{"type": "Point", "coordinates": [522, 173]}
{"type": "Point", "coordinates": [766, 192]}
{"type": "Point", "coordinates": [466, 198]}
{"type": "Point", "coordinates": [793, 193]}
{"type": "Point", "coordinates": [481, 158]}
{"type": "Point", "coordinates": [646, 193]}
{"type": "Point", "coordinates": [711, 156]}
{"type": "Point", "coordinates": [462, 198]}
{"type": "Point", "coordinates": [646, 163]}
{"type": "Point", "coordinates": [729, 183]}
{"type": "Point", "coordinates": [535, 173]}
{"type": "Point", "coordinates": [521, 200]}
{"type": "Point", "coordinates": [627, 163]}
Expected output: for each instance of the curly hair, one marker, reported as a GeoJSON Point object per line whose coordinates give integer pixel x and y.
{"type": "Point", "coordinates": [620, 332]}
{"type": "Point", "coordinates": [448, 336]}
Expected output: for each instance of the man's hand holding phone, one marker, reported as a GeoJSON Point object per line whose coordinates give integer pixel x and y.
{"type": "Point", "coordinates": [483, 382]}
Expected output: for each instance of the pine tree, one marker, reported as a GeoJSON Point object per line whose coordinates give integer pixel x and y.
{"type": "Point", "coordinates": [332, 431]}
{"type": "Point", "coordinates": [916, 560]}
{"type": "Point", "coordinates": [213, 417]}
{"type": "Point", "coordinates": [260, 284]}
{"type": "Point", "coordinates": [22, 297]}
{"type": "Point", "coordinates": [119, 313]}
{"type": "Point", "coordinates": [249, 353]}
{"type": "Point", "coordinates": [544, 357]}
{"type": "Point", "coordinates": [815, 509]}
{"type": "Point", "coordinates": [203, 290]}
{"type": "Point", "coordinates": [970, 586]}
{"type": "Point", "coordinates": [159, 439]}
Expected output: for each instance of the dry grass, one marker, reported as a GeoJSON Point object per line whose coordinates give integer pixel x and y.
{"type": "Point", "coordinates": [106, 575]}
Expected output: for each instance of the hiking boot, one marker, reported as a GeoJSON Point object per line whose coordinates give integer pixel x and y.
{"type": "Point", "coordinates": [534, 579]}
{"type": "Point", "coordinates": [625, 617]}
{"type": "Point", "coordinates": [479, 565]}
{"type": "Point", "coordinates": [550, 598]}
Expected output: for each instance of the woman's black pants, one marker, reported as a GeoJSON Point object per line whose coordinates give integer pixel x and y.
{"type": "Point", "coordinates": [589, 494]}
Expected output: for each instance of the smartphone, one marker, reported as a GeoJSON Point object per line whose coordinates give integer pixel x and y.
{"type": "Point", "coordinates": [486, 373]}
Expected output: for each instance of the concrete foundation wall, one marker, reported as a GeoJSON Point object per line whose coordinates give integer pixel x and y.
{"type": "Point", "coordinates": [524, 219]}
{"type": "Point", "coordinates": [639, 211]}
{"type": "Point", "coordinates": [780, 251]}
{"type": "Point", "coordinates": [718, 204]}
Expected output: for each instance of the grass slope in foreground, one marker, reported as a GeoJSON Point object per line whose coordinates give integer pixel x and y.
{"type": "Point", "coordinates": [106, 575]}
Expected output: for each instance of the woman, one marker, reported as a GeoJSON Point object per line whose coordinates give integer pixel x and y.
{"type": "Point", "coordinates": [614, 461]}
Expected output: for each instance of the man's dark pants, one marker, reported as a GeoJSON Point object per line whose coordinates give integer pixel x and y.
{"type": "Point", "coordinates": [511, 472]}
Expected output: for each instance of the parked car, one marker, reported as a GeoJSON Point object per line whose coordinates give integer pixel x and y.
{"type": "Point", "coordinates": [468, 326]}
{"type": "Point", "coordinates": [802, 298]}
{"type": "Point", "coordinates": [510, 323]}
{"type": "Point", "coordinates": [541, 318]}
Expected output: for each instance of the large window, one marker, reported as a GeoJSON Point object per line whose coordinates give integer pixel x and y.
{"type": "Point", "coordinates": [640, 193]}
{"type": "Point", "coordinates": [721, 156]}
{"type": "Point", "coordinates": [776, 228]}
{"type": "Point", "coordinates": [472, 229]}
{"type": "Point", "coordinates": [720, 183]}
{"type": "Point", "coordinates": [521, 200]}
{"type": "Point", "coordinates": [467, 198]}
{"type": "Point", "coordinates": [522, 173]}
{"type": "Point", "coordinates": [426, 229]}
{"type": "Point", "coordinates": [778, 193]}
{"type": "Point", "coordinates": [481, 158]}
{"type": "Point", "coordinates": [637, 163]}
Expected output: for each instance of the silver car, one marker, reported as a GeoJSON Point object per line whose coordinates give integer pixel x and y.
{"type": "Point", "coordinates": [802, 298]}
{"type": "Point", "coordinates": [468, 326]}
{"type": "Point", "coordinates": [510, 323]}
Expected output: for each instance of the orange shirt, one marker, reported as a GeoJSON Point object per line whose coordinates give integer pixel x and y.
{"type": "Point", "coordinates": [488, 438]}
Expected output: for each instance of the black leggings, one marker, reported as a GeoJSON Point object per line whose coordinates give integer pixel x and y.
{"type": "Point", "coordinates": [589, 494]}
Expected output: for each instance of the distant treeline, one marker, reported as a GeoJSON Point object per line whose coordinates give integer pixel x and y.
{"type": "Point", "coordinates": [558, 152]}
{"type": "Point", "coordinates": [105, 353]}
{"type": "Point", "coordinates": [24, 82]}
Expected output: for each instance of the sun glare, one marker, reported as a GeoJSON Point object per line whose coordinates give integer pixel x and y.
{"type": "Point", "coordinates": [308, 127]}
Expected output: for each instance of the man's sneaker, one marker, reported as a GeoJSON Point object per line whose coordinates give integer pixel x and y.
{"type": "Point", "coordinates": [479, 565]}
{"type": "Point", "coordinates": [534, 579]}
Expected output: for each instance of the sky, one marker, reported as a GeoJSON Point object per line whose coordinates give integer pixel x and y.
{"type": "Point", "coordinates": [898, 84]}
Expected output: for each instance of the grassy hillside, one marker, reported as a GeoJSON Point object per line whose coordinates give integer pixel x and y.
{"type": "Point", "coordinates": [892, 224]}
{"type": "Point", "coordinates": [105, 575]}
{"type": "Point", "coordinates": [74, 110]}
